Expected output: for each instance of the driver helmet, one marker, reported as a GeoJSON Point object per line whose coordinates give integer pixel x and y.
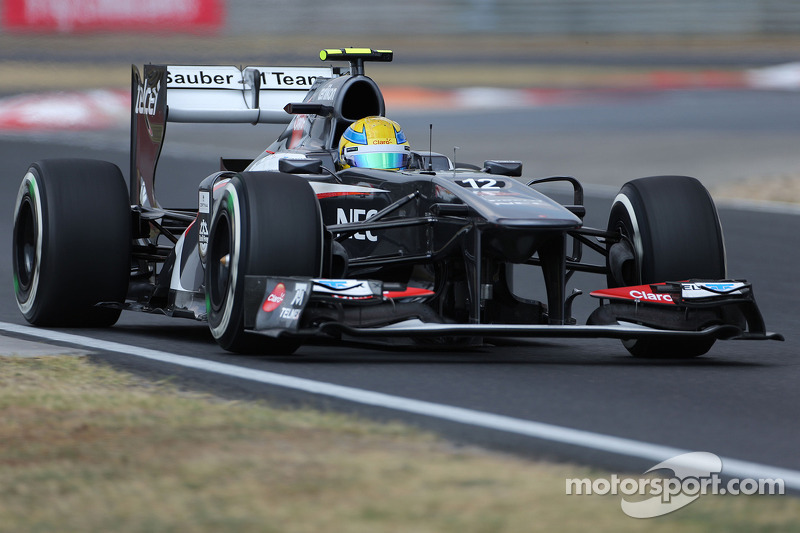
{"type": "Point", "coordinates": [374, 142]}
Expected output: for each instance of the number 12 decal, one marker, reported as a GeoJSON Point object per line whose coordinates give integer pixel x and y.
{"type": "Point", "coordinates": [482, 183]}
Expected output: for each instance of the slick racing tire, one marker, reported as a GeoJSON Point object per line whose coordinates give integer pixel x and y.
{"type": "Point", "coordinates": [71, 243]}
{"type": "Point", "coordinates": [671, 232]}
{"type": "Point", "coordinates": [266, 224]}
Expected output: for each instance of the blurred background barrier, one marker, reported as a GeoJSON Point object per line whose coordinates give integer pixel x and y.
{"type": "Point", "coordinates": [79, 16]}
{"type": "Point", "coordinates": [382, 17]}
{"type": "Point", "coordinates": [539, 17]}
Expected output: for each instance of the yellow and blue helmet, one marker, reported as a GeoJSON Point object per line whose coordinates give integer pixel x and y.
{"type": "Point", "coordinates": [374, 142]}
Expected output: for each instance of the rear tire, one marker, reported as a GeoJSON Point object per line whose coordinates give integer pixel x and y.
{"type": "Point", "coordinates": [264, 224]}
{"type": "Point", "coordinates": [672, 233]}
{"type": "Point", "coordinates": [71, 244]}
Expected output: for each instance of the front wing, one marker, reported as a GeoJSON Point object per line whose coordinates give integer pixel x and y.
{"type": "Point", "coordinates": [306, 307]}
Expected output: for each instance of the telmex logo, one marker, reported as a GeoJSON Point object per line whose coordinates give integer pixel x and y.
{"type": "Point", "coordinates": [147, 99]}
{"type": "Point", "coordinates": [711, 290]}
{"type": "Point", "coordinates": [337, 283]}
{"type": "Point", "coordinates": [644, 295]}
{"type": "Point", "coordinates": [722, 287]}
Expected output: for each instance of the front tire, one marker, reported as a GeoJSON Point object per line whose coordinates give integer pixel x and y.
{"type": "Point", "coordinates": [265, 224]}
{"type": "Point", "coordinates": [671, 232]}
{"type": "Point", "coordinates": [71, 243]}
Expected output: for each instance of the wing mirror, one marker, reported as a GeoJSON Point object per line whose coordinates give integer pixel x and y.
{"type": "Point", "coordinates": [300, 166]}
{"type": "Point", "coordinates": [503, 168]}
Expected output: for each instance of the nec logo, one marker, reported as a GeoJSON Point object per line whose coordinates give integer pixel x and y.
{"type": "Point", "coordinates": [356, 215]}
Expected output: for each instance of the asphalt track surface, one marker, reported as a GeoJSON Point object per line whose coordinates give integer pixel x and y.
{"type": "Point", "coordinates": [741, 401]}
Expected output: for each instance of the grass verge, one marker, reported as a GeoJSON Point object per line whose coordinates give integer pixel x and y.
{"type": "Point", "coordinates": [84, 447]}
{"type": "Point", "coordinates": [783, 188]}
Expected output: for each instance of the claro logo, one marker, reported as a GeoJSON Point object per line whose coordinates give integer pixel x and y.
{"type": "Point", "coordinates": [275, 298]}
{"type": "Point", "coordinates": [653, 297]}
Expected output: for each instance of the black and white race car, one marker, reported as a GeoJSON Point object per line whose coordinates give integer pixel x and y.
{"type": "Point", "coordinates": [291, 246]}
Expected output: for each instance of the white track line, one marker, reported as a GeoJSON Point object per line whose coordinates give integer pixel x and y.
{"type": "Point", "coordinates": [539, 430]}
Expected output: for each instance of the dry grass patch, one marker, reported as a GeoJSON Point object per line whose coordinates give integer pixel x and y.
{"type": "Point", "coordinates": [86, 448]}
{"type": "Point", "coordinates": [771, 188]}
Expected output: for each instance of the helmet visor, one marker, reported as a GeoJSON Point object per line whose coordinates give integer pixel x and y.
{"type": "Point", "coordinates": [383, 157]}
{"type": "Point", "coordinates": [378, 160]}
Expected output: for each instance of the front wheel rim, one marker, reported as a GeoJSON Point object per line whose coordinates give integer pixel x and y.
{"type": "Point", "coordinates": [219, 271]}
{"type": "Point", "coordinates": [25, 239]}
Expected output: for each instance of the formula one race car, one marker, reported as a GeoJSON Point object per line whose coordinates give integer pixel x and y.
{"type": "Point", "coordinates": [318, 238]}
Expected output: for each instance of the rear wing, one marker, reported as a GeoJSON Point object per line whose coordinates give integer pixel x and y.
{"type": "Point", "coordinates": [229, 94]}
{"type": "Point", "coordinates": [205, 94]}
